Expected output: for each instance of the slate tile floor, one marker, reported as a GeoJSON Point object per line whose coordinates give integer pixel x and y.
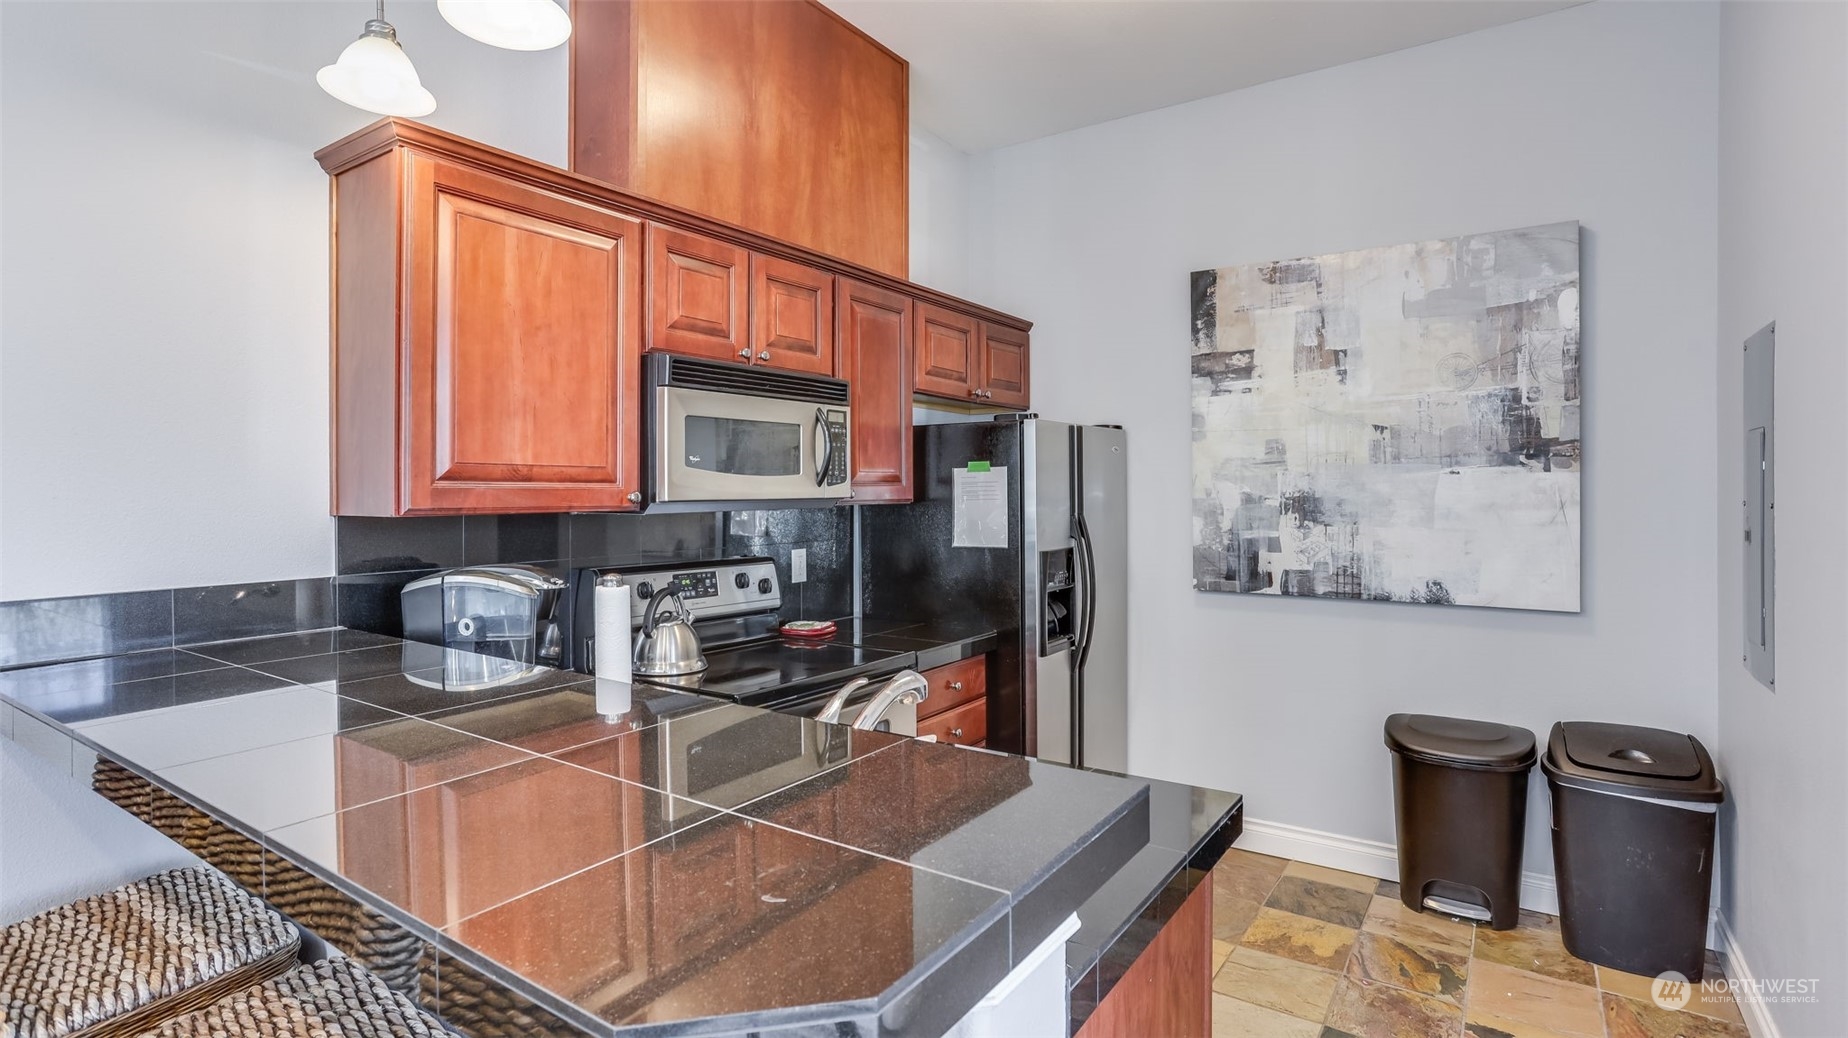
{"type": "Point", "coordinates": [1301, 951]}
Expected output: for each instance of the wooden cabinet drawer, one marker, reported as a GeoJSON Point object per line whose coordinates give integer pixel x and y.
{"type": "Point", "coordinates": [954, 684]}
{"type": "Point", "coordinates": [964, 726]}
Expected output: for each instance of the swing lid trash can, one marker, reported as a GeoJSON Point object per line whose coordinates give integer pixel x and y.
{"type": "Point", "coordinates": [1629, 761]}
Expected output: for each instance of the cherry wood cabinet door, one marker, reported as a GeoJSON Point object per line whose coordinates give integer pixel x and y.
{"type": "Point", "coordinates": [792, 316]}
{"type": "Point", "coordinates": [875, 340]}
{"type": "Point", "coordinates": [1004, 366]}
{"type": "Point", "coordinates": [697, 295]}
{"type": "Point", "coordinates": [522, 368]}
{"type": "Point", "coordinates": [945, 343]}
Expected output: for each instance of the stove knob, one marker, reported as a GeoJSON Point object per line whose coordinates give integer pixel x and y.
{"type": "Point", "coordinates": [763, 586]}
{"type": "Point", "coordinates": [644, 590]}
{"type": "Point", "coordinates": [742, 580]}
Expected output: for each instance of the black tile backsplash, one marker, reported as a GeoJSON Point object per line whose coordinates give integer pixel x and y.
{"type": "Point", "coordinates": [374, 558]}
{"type": "Point", "coordinates": [615, 538]}
{"type": "Point", "coordinates": [369, 601]}
{"type": "Point", "coordinates": [827, 535]}
{"type": "Point", "coordinates": [47, 629]}
{"type": "Point", "coordinates": [202, 614]}
{"type": "Point", "coordinates": [488, 539]}
{"type": "Point", "coordinates": [377, 557]}
{"type": "Point", "coordinates": [363, 544]}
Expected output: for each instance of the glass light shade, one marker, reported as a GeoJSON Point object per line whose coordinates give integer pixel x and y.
{"type": "Point", "coordinates": [512, 24]}
{"type": "Point", "coordinates": [374, 74]}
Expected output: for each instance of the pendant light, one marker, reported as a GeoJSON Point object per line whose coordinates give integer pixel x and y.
{"type": "Point", "coordinates": [512, 24]}
{"type": "Point", "coordinates": [373, 74]}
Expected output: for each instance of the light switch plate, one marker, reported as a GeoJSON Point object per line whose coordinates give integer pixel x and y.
{"type": "Point", "coordinates": [798, 565]}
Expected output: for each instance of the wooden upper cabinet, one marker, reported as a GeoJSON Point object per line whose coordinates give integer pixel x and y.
{"type": "Point", "coordinates": [487, 337]}
{"type": "Point", "coordinates": [1004, 366]}
{"type": "Point", "coordinates": [974, 361]}
{"type": "Point", "coordinates": [875, 336]}
{"type": "Point", "coordinates": [792, 316]}
{"type": "Point", "coordinates": [697, 295]}
{"type": "Point", "coordinates": [945, 344]}
{"type": "Point", "coordinates": [776, 116]}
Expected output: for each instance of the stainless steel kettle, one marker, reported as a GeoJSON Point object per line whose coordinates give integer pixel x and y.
{"type": "Point", "coordinates": [668, 643]}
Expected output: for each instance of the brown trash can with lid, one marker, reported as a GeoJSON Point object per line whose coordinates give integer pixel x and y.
{"type": "Point", "coordinates": [1460, 794]}
{"type": "Point", "coordinates": [1633, 825]}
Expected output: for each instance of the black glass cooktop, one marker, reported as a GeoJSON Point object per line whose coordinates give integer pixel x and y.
{"type": "Point", "coordinates": [772, 672]}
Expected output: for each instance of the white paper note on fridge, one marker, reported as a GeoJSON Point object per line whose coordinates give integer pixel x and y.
{"type": "Point", "coordinates": [981, 504]}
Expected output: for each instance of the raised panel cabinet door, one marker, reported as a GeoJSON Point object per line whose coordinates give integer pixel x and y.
{"type": "Point", "coordinates": [697, 302]}
{"type": "Point", "coordinates": [522, 369]}
{"type": "Point", "coordinates": [945, 344]}
{"type": "Point", "coordinates": [875, 337]}
{"type": "Point", "coordinates": [1004, 366]}
{"type": "Point", "coordinates": [792, 316]}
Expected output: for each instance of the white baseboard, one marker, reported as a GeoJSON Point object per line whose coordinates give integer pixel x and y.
{"type": "Point", "coordinates": [1367, 857]}
{"type": "Point", "coordinates": [1757, 1016]}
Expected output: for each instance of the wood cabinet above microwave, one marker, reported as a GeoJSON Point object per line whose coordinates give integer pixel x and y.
{"type": "Point", "coordinates": [712, 299]}
{"type": "Point", "coordinates": [490, 313]}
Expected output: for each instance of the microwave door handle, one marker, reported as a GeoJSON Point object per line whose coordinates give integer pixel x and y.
{"type": "Point", "coordinates": [826, 436]}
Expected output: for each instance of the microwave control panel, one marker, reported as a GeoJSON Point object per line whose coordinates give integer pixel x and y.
{"type": "Point", "coordinates": [837, 457]}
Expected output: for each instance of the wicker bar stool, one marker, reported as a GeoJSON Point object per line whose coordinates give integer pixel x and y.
{"type": "Point", "coordinates": [120, 962]}
{"type": "Point", "coordinates": [335, 998]}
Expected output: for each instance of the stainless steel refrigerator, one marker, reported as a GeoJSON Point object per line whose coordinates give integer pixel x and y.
{"type": "Point", "coordinates": [1056, 591]}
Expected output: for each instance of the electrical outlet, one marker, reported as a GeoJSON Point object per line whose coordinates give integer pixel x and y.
{"type": "Point", "coordinates": [798, 565]}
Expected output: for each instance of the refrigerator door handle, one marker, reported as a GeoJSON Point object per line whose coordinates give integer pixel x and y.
{"type": "Point", "coordinates": [1087, 576]}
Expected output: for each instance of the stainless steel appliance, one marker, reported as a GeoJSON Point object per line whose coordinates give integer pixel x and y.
{"type": "Point", "coordinates": [668, 644]}
{"type": "Point", "coordinates": [1057, 592]}
{"type": "Point", "coordinates": [724, 433]}
{"type": "Point", "coordinates": [503, 612]}
{"type": "Point", "coordinates": [733, 606]}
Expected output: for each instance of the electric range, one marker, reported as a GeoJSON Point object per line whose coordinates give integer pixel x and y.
{"type": "Point", "coordinates": [735, 604]}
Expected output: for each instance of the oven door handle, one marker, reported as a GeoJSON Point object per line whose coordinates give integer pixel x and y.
{"type": "Point", "coordinates": [826, 435]}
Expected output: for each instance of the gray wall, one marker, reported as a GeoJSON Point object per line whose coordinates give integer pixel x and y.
{"type": "Point", "coordinates": [1784, 257]}
{"type": "Point", "coordinates": [1605, 114]}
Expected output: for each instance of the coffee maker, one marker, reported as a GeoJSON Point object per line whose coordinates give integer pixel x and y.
{"type": "Point", "coordinates": [503, 612]}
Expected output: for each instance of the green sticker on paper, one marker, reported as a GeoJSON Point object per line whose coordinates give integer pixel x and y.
{"type": "Point", "coordinates": [978, 466]}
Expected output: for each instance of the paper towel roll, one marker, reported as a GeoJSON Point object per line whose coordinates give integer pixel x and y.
{"type": "Point", "coordinates": [613, 648]}
{"type": "Point", "coordinates": [614, 698]}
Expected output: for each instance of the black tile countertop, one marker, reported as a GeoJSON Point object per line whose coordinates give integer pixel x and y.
{"type": "Point", "coordinates": [936, 642]}
{"type": "Point", "coordinates": [634, 860]}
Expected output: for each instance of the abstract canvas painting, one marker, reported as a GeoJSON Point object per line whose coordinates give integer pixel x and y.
{"type": "Point", "coordinates": [1393, 424]}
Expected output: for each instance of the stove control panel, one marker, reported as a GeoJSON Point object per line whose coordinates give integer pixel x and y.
{"type": "Point", "coordinates": [711, 590]}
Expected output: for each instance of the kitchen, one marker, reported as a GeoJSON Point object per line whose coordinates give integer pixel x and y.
{"type": "Point", "coordinates": [204, 469]}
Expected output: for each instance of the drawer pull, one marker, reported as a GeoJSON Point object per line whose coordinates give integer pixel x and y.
{"type": "Point", "coordinates": [956, 733]}
{"type": "Point", "coordinates": [955, 686]}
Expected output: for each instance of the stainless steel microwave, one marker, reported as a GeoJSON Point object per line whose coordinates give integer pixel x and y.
{"type": "Point", "coordinates": [723, 433]}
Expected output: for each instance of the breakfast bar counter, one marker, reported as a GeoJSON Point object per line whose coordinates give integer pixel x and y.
{"type": "Point", "coordinates": [531, 851]}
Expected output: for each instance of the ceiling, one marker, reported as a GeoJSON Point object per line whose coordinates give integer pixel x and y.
{"type": "Point", "coordinates": [988, 73]}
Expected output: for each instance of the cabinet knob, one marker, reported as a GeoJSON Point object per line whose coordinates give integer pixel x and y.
{"type": "Point", "coordinates": [956, 733]}
{"type": "Point", "coordinates": [635, 497]}
{"type": "Point", "coordinates": [765, 355]}
{"type": "Point", "coordinates": [955, 686]}
{"type": "Point", "coordinates": [746, 354]}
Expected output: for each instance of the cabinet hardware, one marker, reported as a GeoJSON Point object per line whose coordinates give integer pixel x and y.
{"type": "Point", "coordinates": [746, 354]}
{"type": "Point", "coordinates": [764, 355]}
{"type": "Point", "coordinates": [635, 497]}
{"type": "Point", "coordinates": [955, 686]}
{"type": "Point", "coordinates": [956, 733]}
